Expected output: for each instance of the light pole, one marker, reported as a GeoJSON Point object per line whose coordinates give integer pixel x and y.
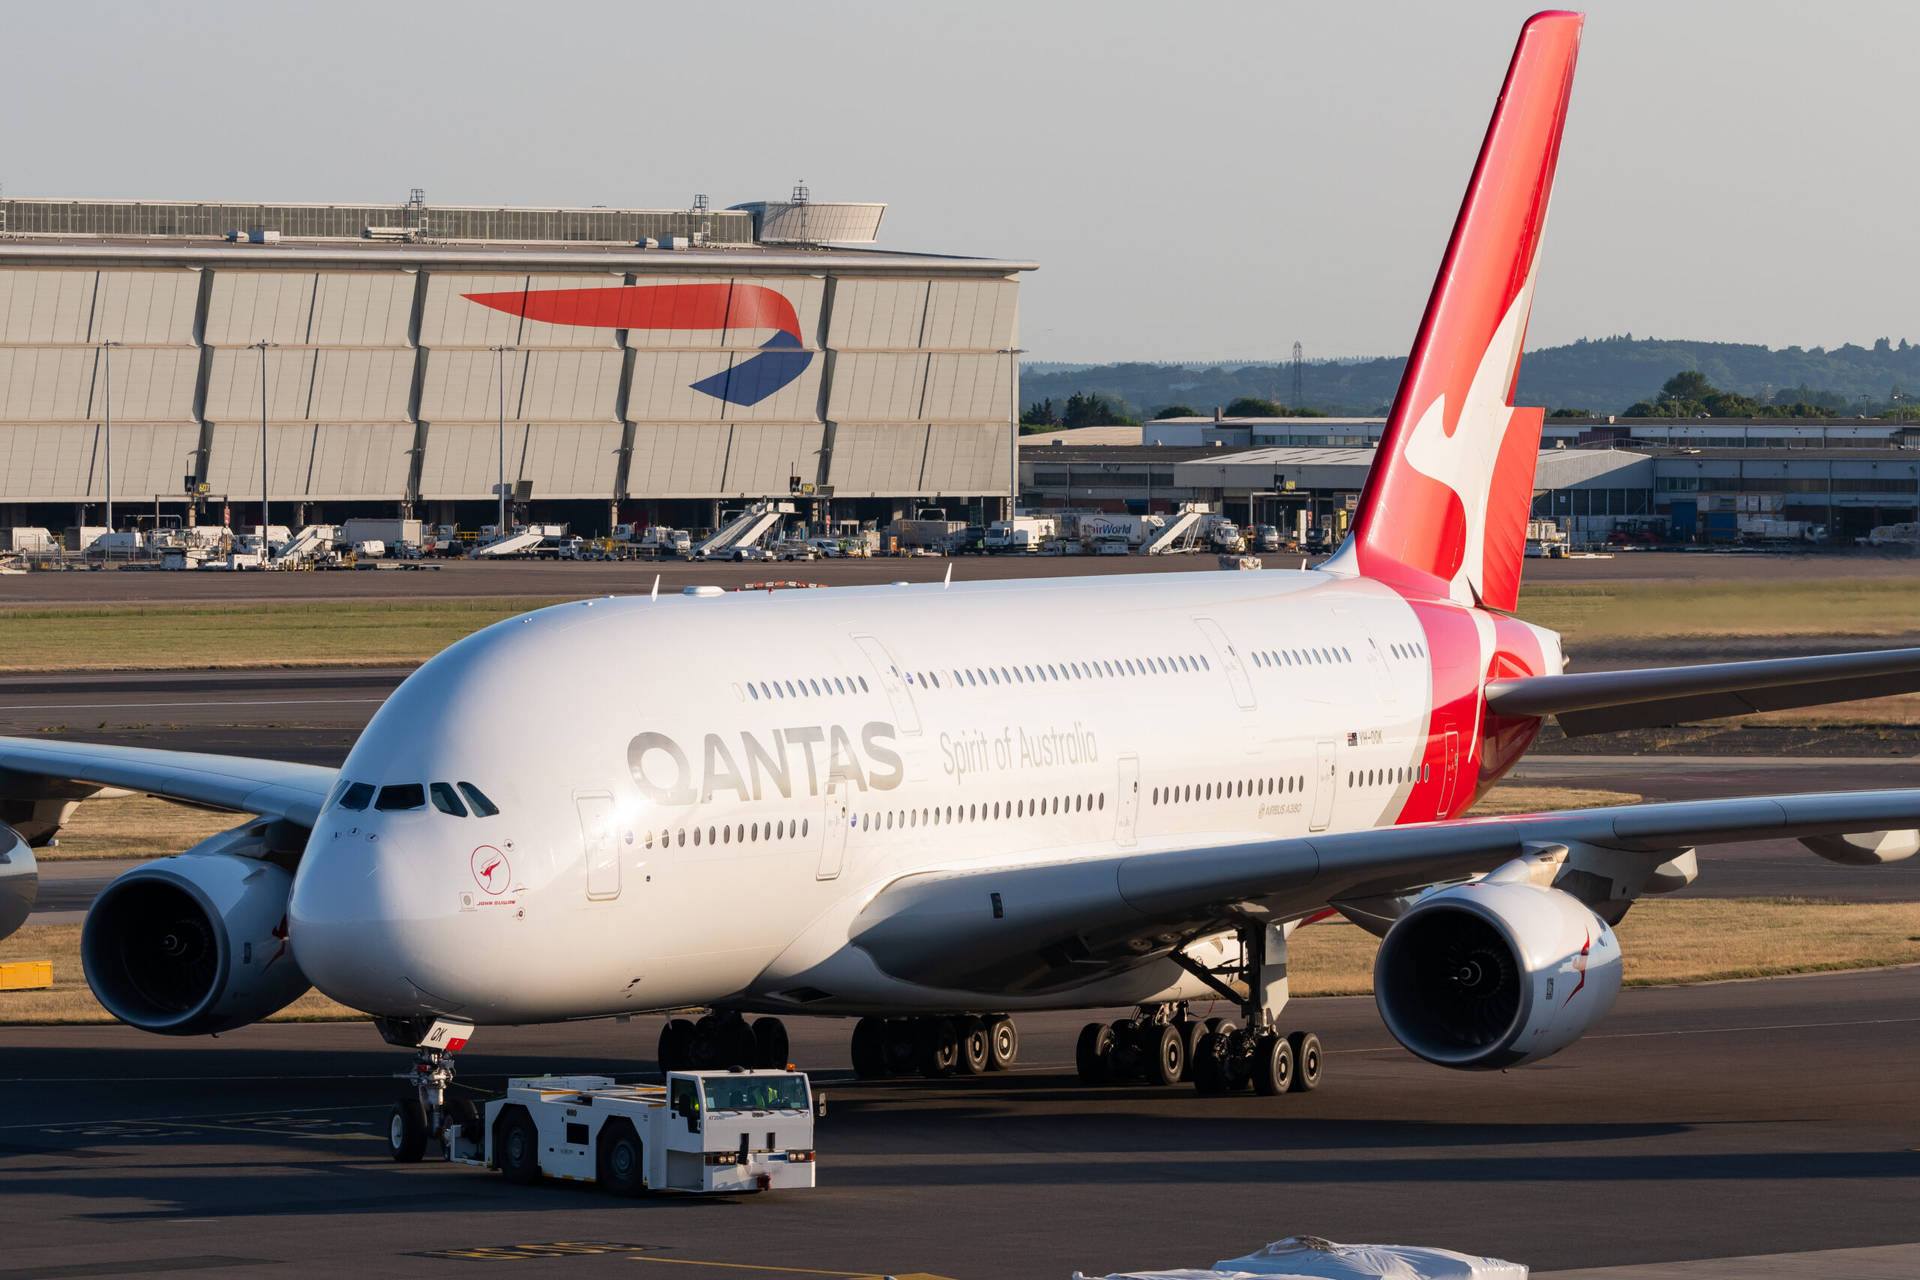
{"type": "Point", "coordinates": [266, 547]}
{"type": "Point", "coordinates": [500, 529]}
{"type": "Point", "coordinates": [106, 351]}
{"type": "Point", "coordinates": [1013, 355]}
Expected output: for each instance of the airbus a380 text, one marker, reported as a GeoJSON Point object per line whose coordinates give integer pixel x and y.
{"type": "Point", "coordinates": [933, 806]}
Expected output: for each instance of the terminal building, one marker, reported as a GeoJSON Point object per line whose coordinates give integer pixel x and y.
{"type": "Point", "coordinates": [652, 366]}
{"type": "Point", "coordinates": [1651, 479]}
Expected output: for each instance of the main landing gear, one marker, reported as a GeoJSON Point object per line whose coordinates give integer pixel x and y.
{"type": "Point", "coordinates": [966, 1044]}
{"type": "Point", "coordinates": [721, 1039]}
{"type": "Point", "coordinates": [1163, 1045]}
{"type": "Point", "coordinates": [427, 1115]}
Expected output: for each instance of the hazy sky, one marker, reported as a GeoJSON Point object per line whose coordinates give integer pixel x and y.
{"type": "Point", "coordinates": [1196, 181]}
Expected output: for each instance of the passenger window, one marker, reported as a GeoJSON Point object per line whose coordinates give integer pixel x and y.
{"type": "Point", "coordinates": [356, 796]}
{"type": "Point", "coordinates": [400, 797]}
{"type": "Point", "coordinates": [752, 692]}
{"type": "Point", "coordinates": [445, 800]}
{"type": "Point", "coordinates": [478, 802]}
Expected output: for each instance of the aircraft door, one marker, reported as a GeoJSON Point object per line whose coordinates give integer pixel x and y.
{"type": "Point", "coordinates": [894, 681]}
{"type": "Point", "coordinates": [602, 845]}
{"type": "Point", "coordinates": [833, 848]}
{"type": "Point", "coordinates": [1229, 659]}
{"type": "Point", "coordinates": [1452, 774]}
{"type": "Point", "coordinates": [1126, 818]}
{"type": "Point", "coordinates": [1325, 768]}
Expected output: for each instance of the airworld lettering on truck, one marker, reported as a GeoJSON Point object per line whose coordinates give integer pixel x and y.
{"type": "Point", "coordinates": [666, 774]}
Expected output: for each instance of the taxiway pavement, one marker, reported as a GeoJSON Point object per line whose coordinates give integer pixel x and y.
{"type": "Point", "coordinates": [1734, 1119]}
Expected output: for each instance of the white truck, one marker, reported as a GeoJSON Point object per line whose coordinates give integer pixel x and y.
{"type": "Point", "coordinates": [1020, 534]}
{"type": "Point", "coordinates": [702, 1131]}
{"type": "Point", "coordinates": [658, 540]}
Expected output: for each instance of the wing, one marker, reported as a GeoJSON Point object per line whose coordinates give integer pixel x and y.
{"type": "Point", "coordinates": [40, 781]}
{"type": "Point", "coordinates": [1603, 701]}
{"type": "Point", "coordinates": [1047, 926]}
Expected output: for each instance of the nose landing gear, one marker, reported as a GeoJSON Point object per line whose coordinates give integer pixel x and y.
{"type": "Point", "coordinates": [428, 1115]}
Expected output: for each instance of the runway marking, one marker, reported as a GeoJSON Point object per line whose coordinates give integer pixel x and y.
{"type": "Point", "coordinates": [124, 706]}
{"type": "Point", "coordinates": [60, 1126]}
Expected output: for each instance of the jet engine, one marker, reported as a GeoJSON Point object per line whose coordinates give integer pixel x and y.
{"type": "Point", "coordinates": [193, 944]}
{"type": "Point", "coordinates": [1488, 975]}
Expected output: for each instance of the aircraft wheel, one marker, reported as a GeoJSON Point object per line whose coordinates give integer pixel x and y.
{"type": "Point", "coordinates": [1209, 1065]}
{"type": "Point", "coordinates": [975, 1051]}
{"type": "Point", "coordinates": [870, 1049]}
{"type": "Point", "coordinates": [621, 1166]}
{"type": "Point", "coordinates": [1272, 1065]}
{"type": "Point", "coordinates": [770, 1043]}
{"type": "Point", "coordinates": [1306, 1061]}
{"type": "Point", "coordinates": [1192, 1032]}
{"type": "Point", "coordinates": [1004, 1038]}
{"type": "Point", "coordinates": [516, 1145]}
{"type": "Point", "coordinates": [936, 1047]}
{"type": "Point", "coordinates": [676, 1045]}
{"type": "Point", "coordinates": [407, 1130]}
{"type": "Point", "coordinates": [1093, 1055]}
{"type": "Point", "coordinates": [1165, 1059]}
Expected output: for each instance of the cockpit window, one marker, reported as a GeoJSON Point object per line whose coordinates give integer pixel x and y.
{"type": "Point", "coordinates": [356, 796]}
{"type": "Point", "coordinates": [402, 795]}
{"type": "Point", "coordinates": [482, 807]}
{"type": "Point", "coordinates": [445, 799]}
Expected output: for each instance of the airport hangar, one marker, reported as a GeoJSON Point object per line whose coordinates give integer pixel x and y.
{"type": "Point", "coordinates": [1678, 477]}
{"type": "Point", "coordinates": [867, 382]}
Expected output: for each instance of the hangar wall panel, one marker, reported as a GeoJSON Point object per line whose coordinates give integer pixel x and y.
{"type": "Point", "coordinates": [961, 387]}
{"type": "Point", "coordinates": [571, 386]}
{"type": "Point", "coordinates": [599, 296]}
{"type": "Point", "coordinates": [679, 461]}
{"type": "Point", "coordinates": [245, 307]}
{"type": "Point", "coordinates": [870, 459]}
{"type": "Point", "coordinates": [568, 460]}
{"type": "Point", "coordinates": [966, 460]}
{"type": "Point", "coordinates": [233, 385]}
{"type": "Point", "coordinates": [47, 463]}
{"type": "Point", "coordinates": [973, 315]}
{"type": "Point", "coordinates": [877, 387]}
{"type": "Point", "coordinates": [762, 460]}
{"type": "Point", "coordinates": [46, 306]}
{"type": "Point", "coordinates": [233, 461]}
{"type": "Point", "coordinates": [146, 307]}
{"type": "Point", "coordinates": [361, 385]}
{"type": "Point", "coordinates": [450, 320]}
{"type": "Point", "coordinates": [362, 308]}
{"type": "Point", "coordinates": [66, 384]}
{"type": "Point", "coordinates": [359, 461]}
{"type": "Point", "coordinates": [462, 459]}
{"type": "Point", "coordinates": [149, 460]}
{"type": "Point", "coordinates": [466, 384]}
{"type": "Point", "coordinates": [877, 314]}
{"type": "Point", "coordinates": [806, 294]}
{"type": "Point", "coordinates": [663, 386]}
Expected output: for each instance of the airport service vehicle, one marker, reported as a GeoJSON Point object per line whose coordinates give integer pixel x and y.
{"type": "Point", "coordinates": [661, 541]}
{"type": "Point", "coordinates": [932, 806]}
{"type": "Point", "coordinates": [397, 533]}
{"type": "Point", "coordinates": [1266, 538]}
{"type": "Point", "coordinates": [705, 1132]}
{"type": "Point", "coordinates": [1020, 534]}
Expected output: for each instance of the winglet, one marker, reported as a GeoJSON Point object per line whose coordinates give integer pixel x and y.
{"type": "Point", "coordinates": [1445, 506]}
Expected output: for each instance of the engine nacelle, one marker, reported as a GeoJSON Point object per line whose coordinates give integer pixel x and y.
{"type": "Point", "coordinates": [19, 880]}
{"type": "Point", "coordinates": [193, 944]}
{"type": "Point", "coordinates": [1489, 975]}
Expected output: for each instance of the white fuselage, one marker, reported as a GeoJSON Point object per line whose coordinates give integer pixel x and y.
{"type": "Point", "coordinates": [698, 795]}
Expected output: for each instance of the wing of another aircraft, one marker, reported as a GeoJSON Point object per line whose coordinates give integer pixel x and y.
{"type": "Point", "coordinates": [37, 779]}
{"type": "Point", "coordinates": [1042, 927]}
{"type": "Point", "coordinates": [1604, 701]}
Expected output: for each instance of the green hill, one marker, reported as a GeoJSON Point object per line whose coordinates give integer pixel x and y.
{"type": "Point", "coordinates": [1603, 375]}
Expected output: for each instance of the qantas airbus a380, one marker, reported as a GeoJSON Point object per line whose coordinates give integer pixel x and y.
{"type": "Point", "coordinates": [932, 807]}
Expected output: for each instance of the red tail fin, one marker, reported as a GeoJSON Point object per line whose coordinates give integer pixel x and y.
{"type": "Point", "coordinates": [1446, 503]}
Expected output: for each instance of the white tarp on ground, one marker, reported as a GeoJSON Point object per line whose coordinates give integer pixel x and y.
{"type": "Point", "coordinates": [1311, 1258]}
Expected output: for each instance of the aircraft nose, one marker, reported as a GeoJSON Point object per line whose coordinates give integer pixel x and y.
{"type": "Point", "coordinates": [369, 927]}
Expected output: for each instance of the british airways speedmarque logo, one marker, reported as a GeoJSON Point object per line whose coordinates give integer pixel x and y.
{"type": "Point", "coordinates": [779, 362]}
